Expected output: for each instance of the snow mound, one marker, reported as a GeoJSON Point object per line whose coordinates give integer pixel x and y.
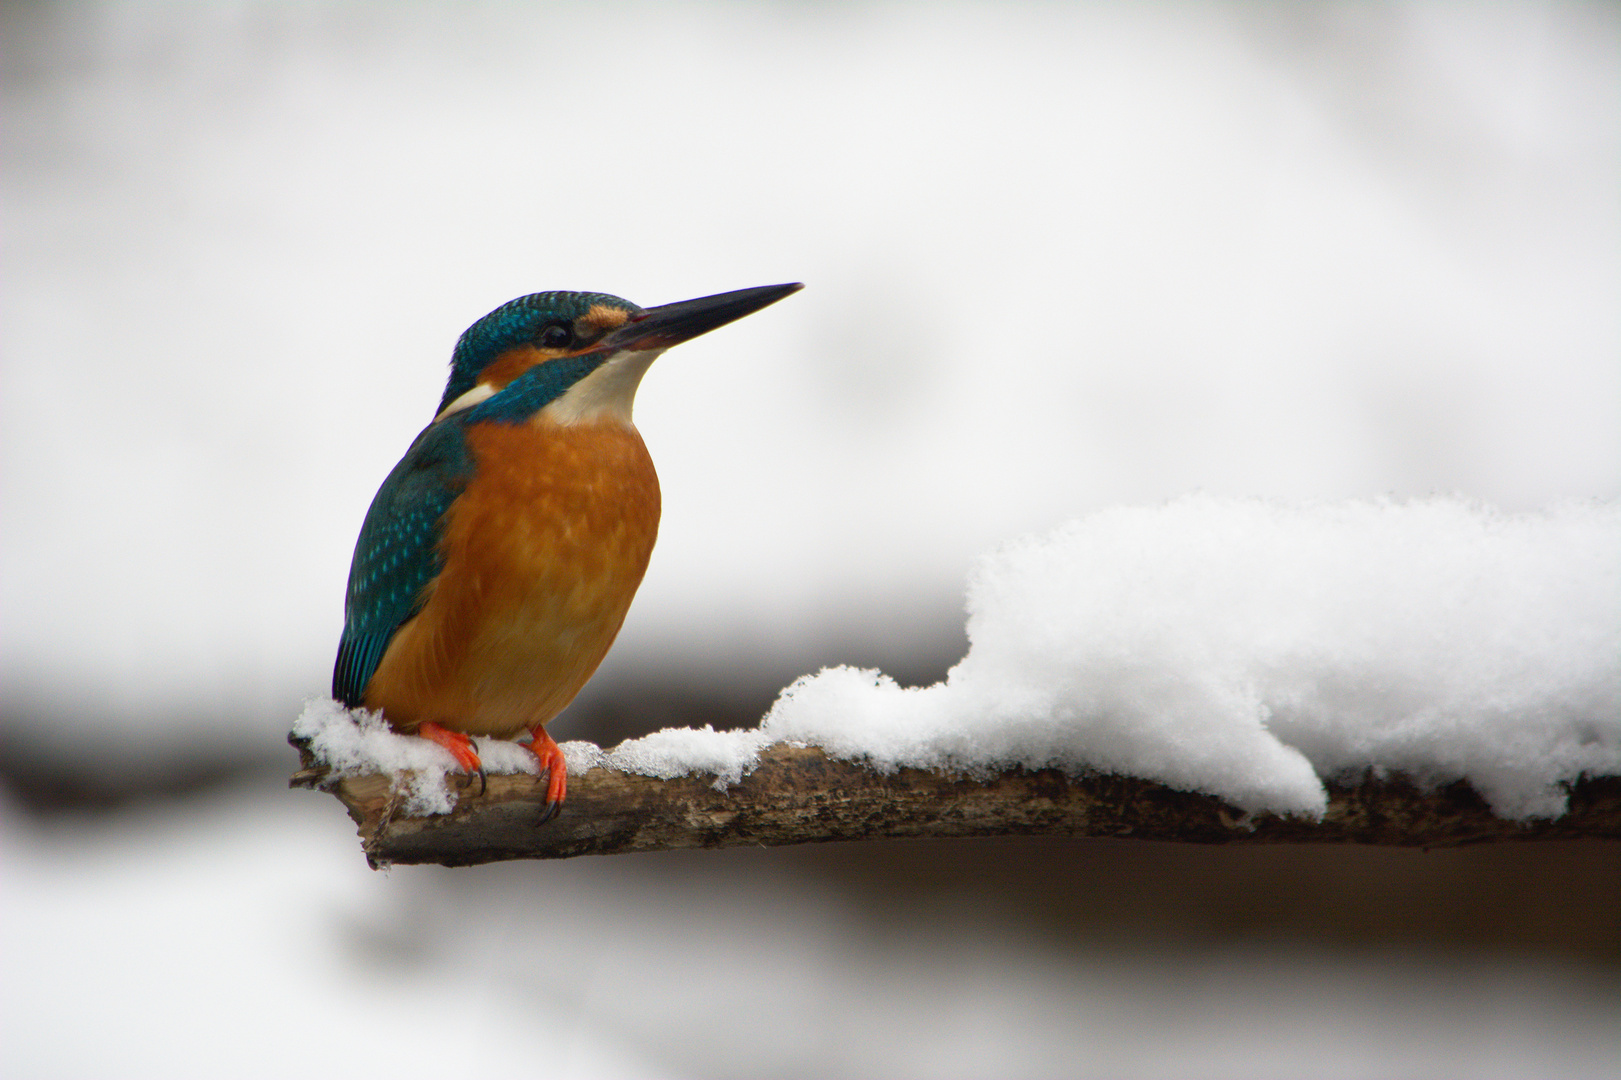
{"type": "Point", "coordinates": [673, 752]}
{"type": "Point", "coordinates": [1245, 649]}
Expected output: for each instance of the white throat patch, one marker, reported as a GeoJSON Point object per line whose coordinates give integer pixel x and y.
{"type": "Point", "coordinates": [606, 394]}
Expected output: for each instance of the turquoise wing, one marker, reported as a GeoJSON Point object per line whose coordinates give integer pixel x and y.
{"type": "Point", "coordinates": [398, 554]}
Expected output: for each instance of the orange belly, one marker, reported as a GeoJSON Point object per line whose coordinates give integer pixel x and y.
{"type": "Point", "coordinates": [542, 555]}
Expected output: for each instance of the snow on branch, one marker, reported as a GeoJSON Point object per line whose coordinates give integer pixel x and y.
{"type": "Point", "coordinates": [1210, 669]}
{"type": "Point", "coordinates": [798, 795]}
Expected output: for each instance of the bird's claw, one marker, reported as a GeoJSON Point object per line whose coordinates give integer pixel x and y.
{"type": "Point", "coordinates": [550, 756]}
{"type": "Point", "coordinates": [461, 747]}
{"type": "Point", "coordinates": [483, 778]}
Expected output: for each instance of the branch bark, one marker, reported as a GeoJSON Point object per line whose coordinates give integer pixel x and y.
{"type": "Point", "coordinates": [799, 795]}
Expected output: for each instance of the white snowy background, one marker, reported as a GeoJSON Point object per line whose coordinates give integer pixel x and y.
{"type": "Point", "coordinates": [1059, 258]}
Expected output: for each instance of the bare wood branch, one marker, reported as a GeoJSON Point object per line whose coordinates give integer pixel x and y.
{"type": "Point", "coordinates": [799, 795]}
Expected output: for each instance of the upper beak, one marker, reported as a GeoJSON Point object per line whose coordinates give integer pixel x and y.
{"type": "Point", "coordinates": [671, 324]}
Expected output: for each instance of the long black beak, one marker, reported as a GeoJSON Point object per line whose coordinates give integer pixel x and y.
{"type": "Point", "coordinates": [671, 324]}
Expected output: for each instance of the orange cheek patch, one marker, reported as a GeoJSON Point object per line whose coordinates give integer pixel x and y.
{"type": "Point", "coordinates": [512, 363]}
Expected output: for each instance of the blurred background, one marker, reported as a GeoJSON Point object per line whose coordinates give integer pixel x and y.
{"type": "Point", "coordinates": [1058, 257]}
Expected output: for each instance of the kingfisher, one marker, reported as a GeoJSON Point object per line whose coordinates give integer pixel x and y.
{"type": "Point", "coordinates": [499, 558]}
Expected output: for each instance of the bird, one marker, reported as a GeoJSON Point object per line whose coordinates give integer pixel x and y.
{"type": "Point", "coordinates": [499, 558]}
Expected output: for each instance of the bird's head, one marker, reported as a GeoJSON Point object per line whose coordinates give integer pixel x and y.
{"type": "Point", "coordinates": [581, 354]}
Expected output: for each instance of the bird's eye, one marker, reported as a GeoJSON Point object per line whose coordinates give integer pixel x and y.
{"type": "Point", "coordinates": [556, 336]}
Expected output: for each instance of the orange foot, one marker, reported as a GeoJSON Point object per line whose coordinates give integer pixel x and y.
{"type": "Point", "coordinates": [551, 759]}
{"type": "Point", "coordinates": [460, 747]}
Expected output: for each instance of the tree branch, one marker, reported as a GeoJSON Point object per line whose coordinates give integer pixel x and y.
{"type": "Point", "coordinates": [799, 795]}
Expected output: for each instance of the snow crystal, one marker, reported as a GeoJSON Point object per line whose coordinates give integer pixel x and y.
{"type": "Point", "coordinates": [1241, 648]}
{"type": "Point", "coordinates": [672, 752]}
{"type": "Point", "coordinates": [1245, 649]}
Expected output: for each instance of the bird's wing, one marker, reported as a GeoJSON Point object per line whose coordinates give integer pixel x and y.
{"type": "Point", "coordinates": [397, 554]}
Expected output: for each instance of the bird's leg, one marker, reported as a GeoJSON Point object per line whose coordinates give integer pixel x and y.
{"type": "Point", "coordinates": [551, 759]}
{"type": "Point", "coordinates": [461, 748]}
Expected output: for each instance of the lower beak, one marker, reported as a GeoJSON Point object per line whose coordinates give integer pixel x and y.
{"type": "Point", "coordinates": [671, 324]}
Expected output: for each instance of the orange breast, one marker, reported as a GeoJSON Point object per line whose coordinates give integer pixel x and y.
{"type": "Point", "coordinates": [543, 553]}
